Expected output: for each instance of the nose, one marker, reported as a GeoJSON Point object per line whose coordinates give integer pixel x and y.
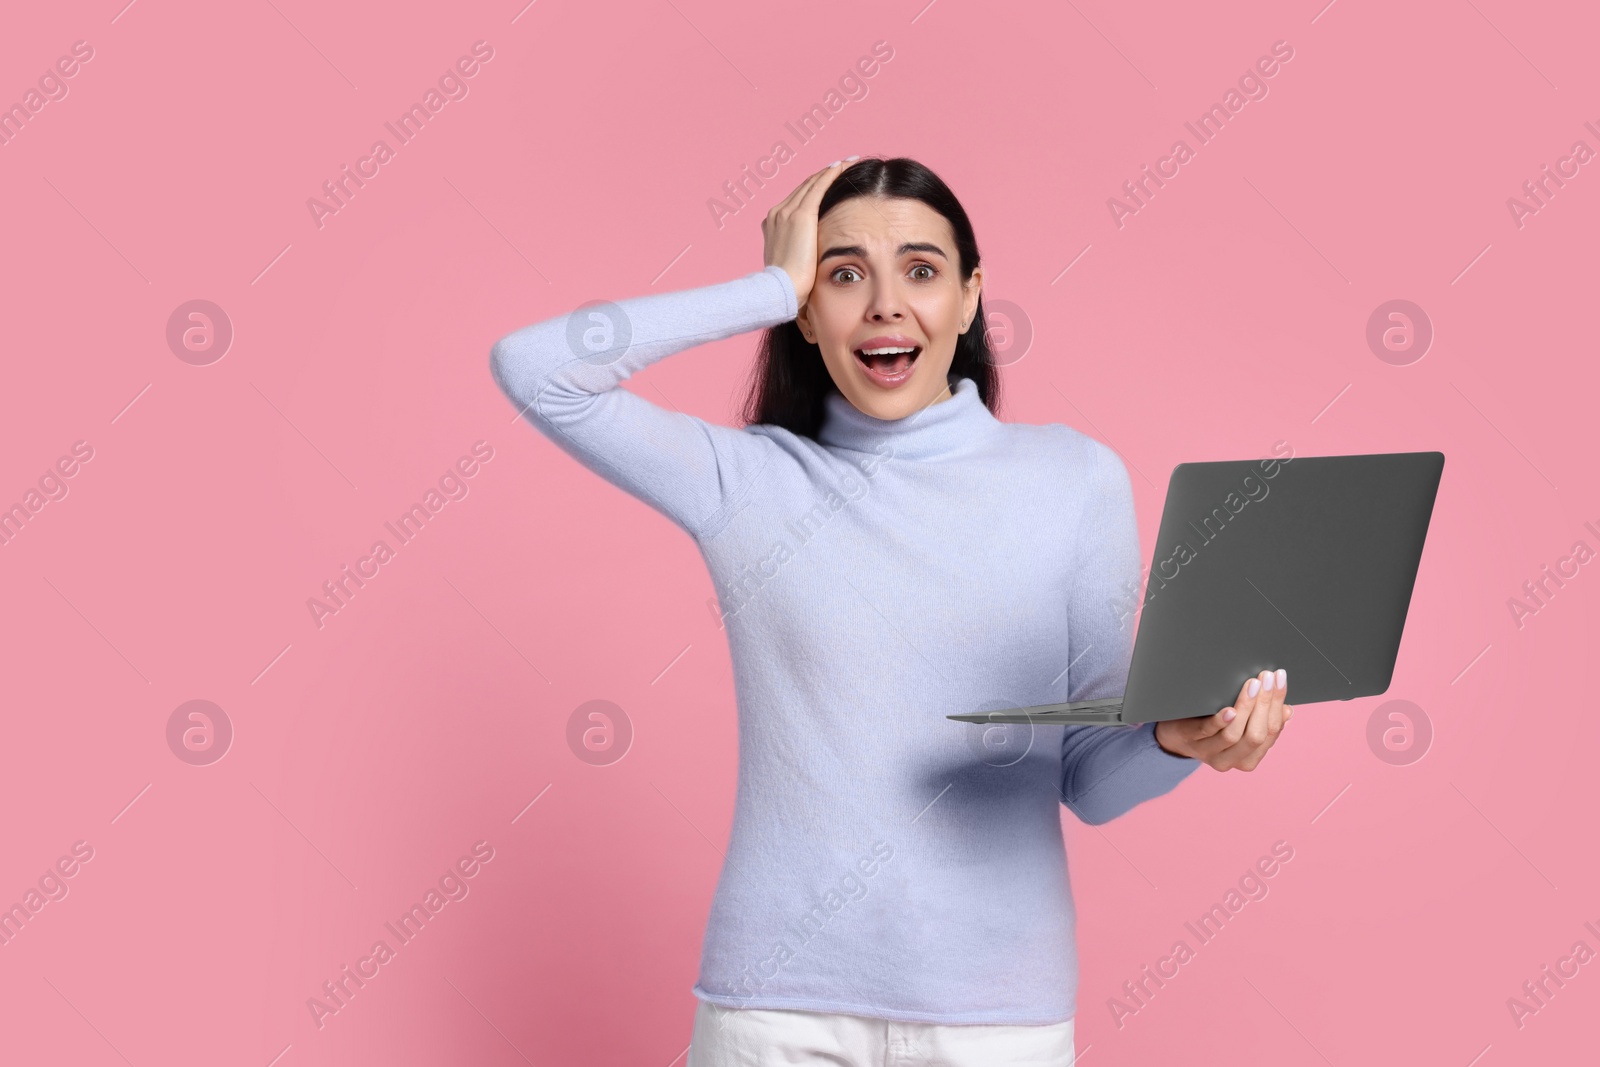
{"type": "Point", "coordinates": [887, 305]}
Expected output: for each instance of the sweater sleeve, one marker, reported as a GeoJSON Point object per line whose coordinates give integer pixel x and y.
{"type": "Point", "coordinates": [564, 374]}
{"type": "Point", "coordinates": [1107, 770]}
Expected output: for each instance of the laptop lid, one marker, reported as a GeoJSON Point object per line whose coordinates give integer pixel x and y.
{"type": "Point", "coordinates": [1305, 563]}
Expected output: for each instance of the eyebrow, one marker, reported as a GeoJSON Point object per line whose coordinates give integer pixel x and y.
{"type": "Point", "coordinates": [861, 253]}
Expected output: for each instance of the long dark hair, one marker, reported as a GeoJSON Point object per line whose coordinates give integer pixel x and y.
{"type": "Point", "coordinates": [789, 382]}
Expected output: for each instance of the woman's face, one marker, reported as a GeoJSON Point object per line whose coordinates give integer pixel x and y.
{"type": "Point", "coordinates": [888, 277]}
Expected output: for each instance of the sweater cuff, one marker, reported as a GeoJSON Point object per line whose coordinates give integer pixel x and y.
{"type": "Point", "coordinates": [1164, 769]}
{"type": "Point", "coordinates": [790, 297]}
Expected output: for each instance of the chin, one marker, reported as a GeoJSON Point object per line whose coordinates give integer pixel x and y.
{"type": "Point", "coordinates": [907, 399]}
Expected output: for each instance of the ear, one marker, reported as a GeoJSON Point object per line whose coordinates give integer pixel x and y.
{"type": "Point", "coordinates": [972, 289]}
{"type": "Point", "coordinates": [803, 320]}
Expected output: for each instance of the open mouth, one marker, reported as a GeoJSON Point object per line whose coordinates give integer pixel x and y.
{"type": "Point", "coordinates": [889, 364]}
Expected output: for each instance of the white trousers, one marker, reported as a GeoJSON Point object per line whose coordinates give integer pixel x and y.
{"type": "Point", "coordinates": [761, 1037]}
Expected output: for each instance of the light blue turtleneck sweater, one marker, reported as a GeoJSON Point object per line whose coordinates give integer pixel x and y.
{"type": "Point", "coordinates": [884, 860]}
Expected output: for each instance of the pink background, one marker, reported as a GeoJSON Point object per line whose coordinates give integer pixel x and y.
{"type": "Point", "coordinates": [372, 752]}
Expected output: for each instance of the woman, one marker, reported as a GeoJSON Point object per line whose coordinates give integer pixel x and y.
{"type": "Point", "coordinates": [886, 552]}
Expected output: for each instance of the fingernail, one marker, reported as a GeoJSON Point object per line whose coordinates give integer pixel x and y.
{"type": "Point", "coordinates": [835, 163]}
{"type": "Point", "coordinates": [1283, 678]}
{"type": "Point", "coordinates": [1253, 688]}
{"type": "Point", "coordinates": [1229, 715]}
{"type": "Point", "coordinates": [1266, 681]}
{"type": "Point", "coordinates": [852, 157]}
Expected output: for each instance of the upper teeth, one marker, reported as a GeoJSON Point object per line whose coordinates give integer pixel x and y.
{"type": "Point", "coordinates": [887, 351]}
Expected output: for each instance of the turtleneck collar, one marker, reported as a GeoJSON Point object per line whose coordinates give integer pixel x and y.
{"type": "Point", "coordinates": [943, 428]}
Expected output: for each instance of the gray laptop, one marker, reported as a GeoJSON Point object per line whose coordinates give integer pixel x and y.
{"type": "Point", "coordinates": [1305, 564]}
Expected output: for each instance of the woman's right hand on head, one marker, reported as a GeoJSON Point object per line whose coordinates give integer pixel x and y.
{"type": "Point", "coordinates": [789, 232]}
